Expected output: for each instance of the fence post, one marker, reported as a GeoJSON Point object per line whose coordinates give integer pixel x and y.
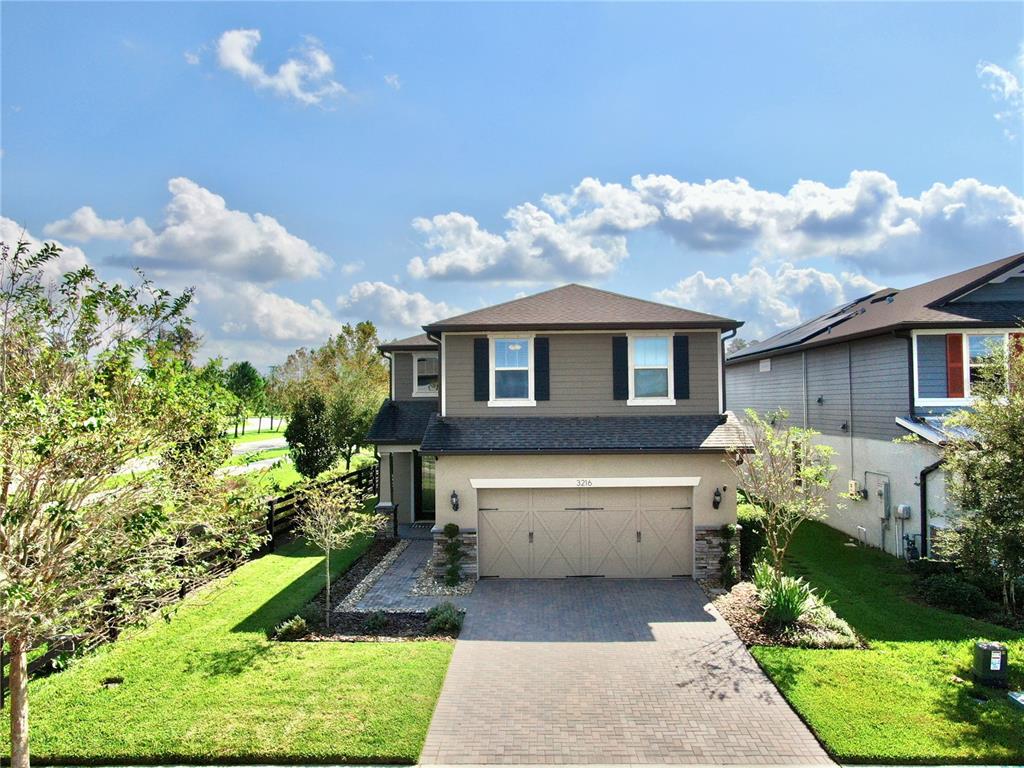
{"type": "Point", "coordinates": [270, 525]}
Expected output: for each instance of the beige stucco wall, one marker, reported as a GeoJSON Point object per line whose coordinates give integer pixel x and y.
{"type": "Point", "coordinates": [455, 473]}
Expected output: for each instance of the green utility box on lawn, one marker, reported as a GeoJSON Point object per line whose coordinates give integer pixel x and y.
{"type": "Point", "coordinates": [991, 664]}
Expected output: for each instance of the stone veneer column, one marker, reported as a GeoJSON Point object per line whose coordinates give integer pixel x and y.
{"type": "Point", "coordinates": [707, 551]}
{"type": "Point", "coordinates": [469, 563]}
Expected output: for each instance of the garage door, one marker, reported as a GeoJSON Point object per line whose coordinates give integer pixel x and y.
{"type": "Point", "coordinates": [613, 532]}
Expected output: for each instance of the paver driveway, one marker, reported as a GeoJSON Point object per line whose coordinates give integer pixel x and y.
{"type": "Point", "coordinates": [607, 671]}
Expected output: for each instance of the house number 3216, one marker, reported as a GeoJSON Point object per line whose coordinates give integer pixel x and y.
{"type": "Point", "coordinates": [583, 483]}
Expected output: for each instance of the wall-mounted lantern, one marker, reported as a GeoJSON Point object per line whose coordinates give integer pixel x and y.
{"type": "Point", "coordinates": [716, 500]}
{"type": "Point", "coordinates": [454, 501]}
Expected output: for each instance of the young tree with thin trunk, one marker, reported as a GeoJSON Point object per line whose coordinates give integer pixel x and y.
{"type": "Point", "coordinates": [787, 474]}
{"type": "Point", "coordinates": [332, 518]}
{"type": "Point", "coordinates": [90, 378]}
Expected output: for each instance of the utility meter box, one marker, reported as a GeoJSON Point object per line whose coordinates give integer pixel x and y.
{"type": "Point", "coordinates": [991, 664]}
{"type": "Point", "coordinates": [903, 511]}
{"type": "Point", "coordinates": [853, 489]}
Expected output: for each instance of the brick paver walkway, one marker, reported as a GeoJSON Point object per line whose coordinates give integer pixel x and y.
{"type": "Point", "coordinates": [606, 671]}
{"type": "Point", "coordinates": [392, 591]}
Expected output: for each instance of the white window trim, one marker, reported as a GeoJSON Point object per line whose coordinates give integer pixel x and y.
{"type": "Point", "coordinates": [633, 399]}
{"type": "Point", "coordinates": [506, 402]}
{"type": "Point", "coordinates": [416, 391]}
{"type": "Point", "coordinates": [964, 333]}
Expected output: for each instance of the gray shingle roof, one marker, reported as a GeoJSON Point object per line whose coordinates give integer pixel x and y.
{"type": "Point", "coordinates": [401, 422]}
{"type": "Point", "coordinates": [889, 309]}
{"type": "Point", "coordinates": [579, 307]}
{"type": "Point", "coordinates": [412, 343]}
{"type": "Point", "coordinates": [595, 434]}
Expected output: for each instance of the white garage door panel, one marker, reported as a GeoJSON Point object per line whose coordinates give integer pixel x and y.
{"type": "Point", "coordinates": [613, 532]}
{"type": "Point", "coordinates": [503, 543]}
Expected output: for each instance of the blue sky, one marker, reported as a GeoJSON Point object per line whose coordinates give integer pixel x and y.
{"type": "Point", "coordinates": [307, 164]}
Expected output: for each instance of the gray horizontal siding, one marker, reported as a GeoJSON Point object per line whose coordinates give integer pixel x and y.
{"type": "Point", "coordinates": [931, 366]}
{"type": "Point", "coordinates": [881, 386]}
{"type": "Point", "coordinates": [581, 379]}
{"type": "Point", "coordinates": [828, 379]}
{"type": "Point", "coordinates": [747, 386]}
{"type": "Point", "coordinates": [868, 397]}
{"type": "Point", "coordinates": [1008, 290]}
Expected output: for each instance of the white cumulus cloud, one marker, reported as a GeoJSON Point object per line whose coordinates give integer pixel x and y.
{"type": "Point", "coordinates": [1007, 90]}
{"type": "Point", "coordinates": [85, 224]}
{"type": "Point", "coordinates": [70, 259]}
{"type": "Point", "coordinates": [307, 78]}
{"type": "Point", "coordinates": [867, 222]}
{"type": "Point", "coordinates": [250, 311]}
{"type": "Point", "coordinates": [768, 302]}
{"type": "Point", "coordinates": [393, 81]}
{"type": "Point", "coordinates": [200, 232]}
{"type": "Point", "coordinates": [391, 308]}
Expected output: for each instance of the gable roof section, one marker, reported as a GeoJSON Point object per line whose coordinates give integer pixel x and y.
{"type": "Point", "coordinates": [926, 305]}
{"type": "Point", "coordinates": [412, 344]}
{"type": "Point", "coordinates": [578, 307]}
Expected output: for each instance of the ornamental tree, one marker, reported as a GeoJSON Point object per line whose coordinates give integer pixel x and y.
{"type": "Point", "coordinates": [332, 518]}
{"type": "Point", "coordinates": [787, 474]}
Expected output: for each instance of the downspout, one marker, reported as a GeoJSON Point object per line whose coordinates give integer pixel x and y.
{"type": "Point", "coordinates": [440, 370]}
{"type": "Point", "coordinates": [923, 483]}
{"type": "Point", "coordinates": [724, 338]}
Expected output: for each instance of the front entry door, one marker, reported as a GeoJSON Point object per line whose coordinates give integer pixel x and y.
{"type": "Point", "coordinates": [424, 486]}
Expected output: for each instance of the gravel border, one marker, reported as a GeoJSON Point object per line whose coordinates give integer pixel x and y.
{"type": "Point", "coordinates": [428, 586]}
{"type": "Point", "coordinates": [358, 592]}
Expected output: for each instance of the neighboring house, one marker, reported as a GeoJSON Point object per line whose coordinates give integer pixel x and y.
{"type": "Point", "coordinates": [886, 366]}
{"type": "Point", "coordinates": [575, 432]}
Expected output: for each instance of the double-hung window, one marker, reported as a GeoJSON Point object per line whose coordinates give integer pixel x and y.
{"type": "Point", "coordinates": [425, 373]}
{"type": "Point", "coordinates": [650, 374]}
{"type": "Point", "coordinates": [980, 349]}
{"type": "Point", "coordinates": [512, 371]}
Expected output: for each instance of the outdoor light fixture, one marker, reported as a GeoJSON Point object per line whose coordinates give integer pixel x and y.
{"type": "Point", "coordinates": [716, 500]}
{"type": "Point", "coordinates": [455, 501]}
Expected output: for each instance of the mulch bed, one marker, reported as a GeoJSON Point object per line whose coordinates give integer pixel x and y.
{"type": "Point", "coordinates": [742, 609]}
{"type": "Point", "coordinates": [350, 626]}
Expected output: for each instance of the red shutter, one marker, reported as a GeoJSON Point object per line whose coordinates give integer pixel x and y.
{"type": "Point", "coordinates": [954, 365]}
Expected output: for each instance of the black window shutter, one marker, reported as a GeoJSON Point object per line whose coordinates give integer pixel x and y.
{"type": "Point", "coordinates": [541, 369]}
{"type": "Point", "coordinates": [481, 370]}
{"type": "Point", "coordinates": [620, 367]}
{"type": "Point", "coordinates": [681, 366]}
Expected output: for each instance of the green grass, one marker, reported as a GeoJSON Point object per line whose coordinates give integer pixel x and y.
{"type": "Point", "coordinates": [251, 435]}
{"type": "Point", "coordinates": [896, 701]}
{"type": "Point", "coordinates": [209, 687]}
{"type": "Point", "coordinates": [254, 456]}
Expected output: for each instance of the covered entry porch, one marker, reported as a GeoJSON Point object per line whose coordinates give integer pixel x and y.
{"type": "Point", "coordinates": [407, 481]}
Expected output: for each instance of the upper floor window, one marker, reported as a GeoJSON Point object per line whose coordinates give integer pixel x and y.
{"type": "Point", "coordinates": [511, 371]}
{"type": "Point", "coordinates": [650, 370]}
{"type": "Point", "coordinates": [425, 374]}
{"type": "Point", "coordinates": [948, 365]}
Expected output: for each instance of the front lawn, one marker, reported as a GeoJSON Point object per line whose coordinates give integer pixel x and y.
{"type": "Point", "coordinates": [209, 687]}
{"type": "Point", "coordinates": [897, 701]}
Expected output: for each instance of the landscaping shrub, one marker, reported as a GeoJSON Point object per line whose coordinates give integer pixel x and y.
{"type": "Point", "coordinates": [764, 575]}
{"type": "Point", "coordinates": [952, 592]}
{"type": "Point", "coordinates": [752, 539]}
{"type": "Point", "coordinates": [786, 600]}
{"type": "Point", "coordinates": [729, 561]}
{"type": "Point", "coordinates": [453, 555]}
{"type": "Point", "coordinates": [927, 566]}
{"type": "Point", "coordinates": [444, 619]}
{"type": "Point", "coordinates": [291, 629]}
{"type": "Point", "coordinates": [376, 623]}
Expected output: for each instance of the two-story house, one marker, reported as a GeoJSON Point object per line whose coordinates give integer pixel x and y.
{"type": "Point", "coordinates": [575, 432]}
{"type": "Point", "coordinates": [886, 366]}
